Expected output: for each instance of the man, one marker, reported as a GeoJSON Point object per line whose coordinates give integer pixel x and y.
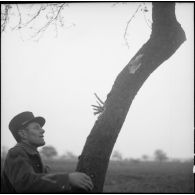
{"type": "Point", "coordinates": [23, 170]}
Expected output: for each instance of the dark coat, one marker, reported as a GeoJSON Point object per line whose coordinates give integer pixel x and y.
{"type": "Point", "coordinates": [24, 172]}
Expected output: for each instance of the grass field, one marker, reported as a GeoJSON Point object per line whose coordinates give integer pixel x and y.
{"type": "Point", "coordinates": [140, 177]}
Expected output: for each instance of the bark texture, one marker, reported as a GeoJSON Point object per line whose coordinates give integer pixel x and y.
{"type": "Point", "coordinates": [166, 37]}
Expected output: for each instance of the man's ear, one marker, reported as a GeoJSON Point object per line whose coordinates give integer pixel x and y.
{"type": "Point", "coordinates": [22, 133]}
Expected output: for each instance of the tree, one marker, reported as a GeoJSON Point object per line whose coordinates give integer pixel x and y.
{"type": "Point", "coordinates": [69, 155]}
{"type": "Point", "coordinates": [117, 155]}
{"type": "Point", "coordinates": [166, 37]}
{"type": "Point", "coordinates": [160, 155]}
{"type": "Point", "coordinates": [3, 152]}
{"type": "Point", "coordinates": [145, 157]}
{"type": "Point", "coordinates": [48, 152]}
{"type": "Point", "coordinates": [135, 160]}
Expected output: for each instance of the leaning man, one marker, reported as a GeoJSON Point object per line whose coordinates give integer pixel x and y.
{"type": "Point", "coordinates": [23, 170]}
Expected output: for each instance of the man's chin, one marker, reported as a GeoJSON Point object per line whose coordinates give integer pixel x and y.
{"type": "Point", "coordinates": [42, 144]}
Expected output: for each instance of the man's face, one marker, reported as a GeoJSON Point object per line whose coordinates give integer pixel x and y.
{"type": "Point", "coordinates": [34, 134]}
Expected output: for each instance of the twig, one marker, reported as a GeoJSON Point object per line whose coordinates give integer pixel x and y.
{"type": "Point", "coordinates": [35, 16]}
{"type": "Point", "coordinates": [146, 20]}
{"type": "Point", "coordinates": [125, 34]}
{"type": "Point", "coordinates": [20, 17]}
{"type": "Point", "coordinates": [4, 16]}
{"type": "Point", "coordinates": [43, 29]}
{"type": "Point", "coordinates": [98, 98]}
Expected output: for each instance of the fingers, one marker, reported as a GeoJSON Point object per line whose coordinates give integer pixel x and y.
{"type": "Point", "coordinates": [86, 182]}
{"type": "Point", "coordinates": [87, 186]}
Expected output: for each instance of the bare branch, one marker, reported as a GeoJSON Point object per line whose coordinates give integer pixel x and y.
{"type": "Point", "coordinates": [118, 3]}
{"type": "Point", "coordinates": [51, 12]}
{"type": "Point", "coordinates": [5, 8]}
{"type": "Point", "coordinates": [52, 19]}
{"type": "Point", "coordinates": [20, 17]}
{"type": "Point", "coordinates": [125, 34]}
{"type": "Point", "coordinates": [146, 20]}
{"type": "Point", "coordinates": [35, 16]}
{"type": "Point", "coordinates": [99, 99]}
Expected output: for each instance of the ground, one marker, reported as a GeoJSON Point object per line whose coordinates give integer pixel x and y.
{"type": "Point", "coordinates": [140, 177]}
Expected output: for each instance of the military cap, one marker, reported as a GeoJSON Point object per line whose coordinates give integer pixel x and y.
{"type": "Point", "coordinates": [23, 119]}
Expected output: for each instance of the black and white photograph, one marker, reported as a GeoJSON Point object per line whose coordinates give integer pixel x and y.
{"type": "Point", "coordinates": [97, 97]}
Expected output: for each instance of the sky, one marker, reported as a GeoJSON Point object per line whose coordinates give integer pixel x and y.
{"type": "Point", "coordinates": [56, 77]}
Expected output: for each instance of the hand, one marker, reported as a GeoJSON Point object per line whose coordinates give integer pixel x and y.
{"type": "Point", "coordinates": [100, 108]}
{"type": "Point", "coordinates": [80, 180]}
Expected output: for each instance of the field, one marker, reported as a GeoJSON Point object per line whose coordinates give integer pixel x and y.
{"type": "Point", "coordinates": [140, 177]}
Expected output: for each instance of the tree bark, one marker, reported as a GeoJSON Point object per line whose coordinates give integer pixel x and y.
{"type": "Point", "coordinates": [166, 37]}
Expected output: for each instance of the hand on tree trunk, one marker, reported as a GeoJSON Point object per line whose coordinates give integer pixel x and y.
{"type": "Point", "coordinates": [80, 180]}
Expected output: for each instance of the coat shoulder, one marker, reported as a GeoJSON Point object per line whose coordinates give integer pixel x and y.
{"type": "Point", "coordinates": [15, 151]}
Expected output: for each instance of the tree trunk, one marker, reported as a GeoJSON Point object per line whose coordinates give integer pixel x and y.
{"type": "Point", "coordinates": [167, 35]}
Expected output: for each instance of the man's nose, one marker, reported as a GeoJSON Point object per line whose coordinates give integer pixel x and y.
{"type": "Point", "coordinates": [42, 131]}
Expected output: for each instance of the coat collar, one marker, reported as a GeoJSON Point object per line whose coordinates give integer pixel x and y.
{"type": "Point", "coordinates": [28, 148]}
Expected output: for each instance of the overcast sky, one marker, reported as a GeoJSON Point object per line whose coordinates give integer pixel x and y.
{"type": "Point", "coordinates": [56, 77]}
